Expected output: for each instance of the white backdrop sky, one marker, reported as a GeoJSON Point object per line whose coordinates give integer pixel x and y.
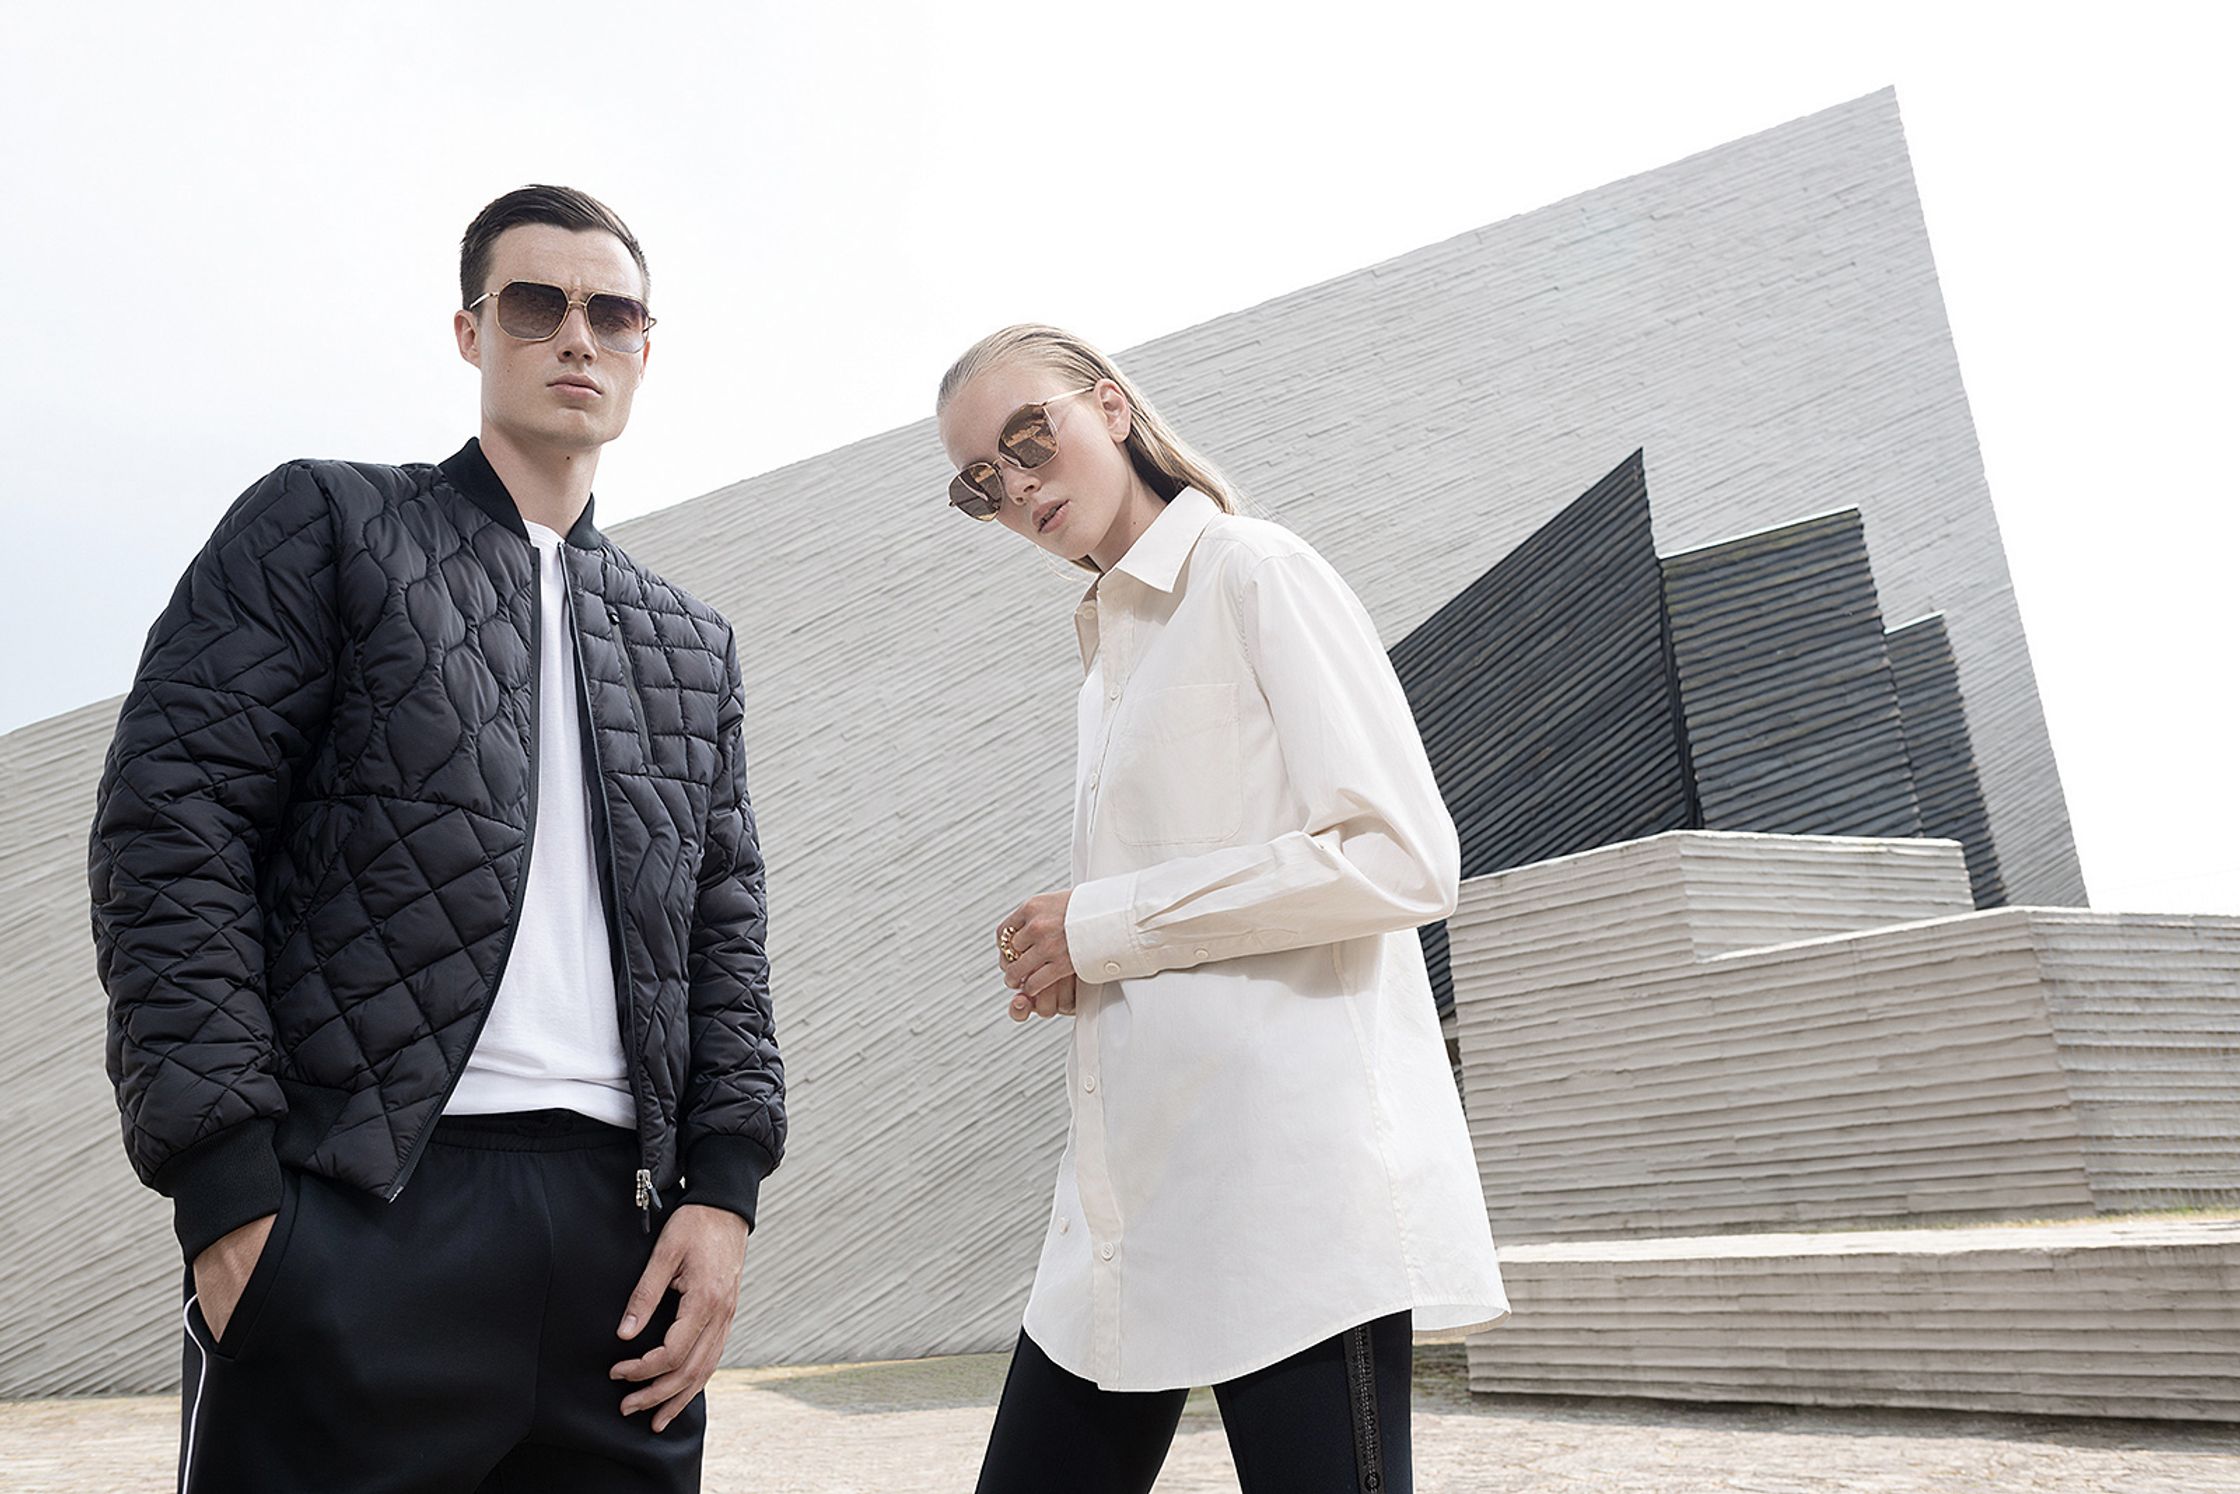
{"type": "Point", "coordinates": [233, 229]}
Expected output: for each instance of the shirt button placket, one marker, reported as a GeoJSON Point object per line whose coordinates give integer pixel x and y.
{"type": "Point", "coordinates": [1100, 1214]}
{"type": "Point", "coordinates": [1099, 1205]}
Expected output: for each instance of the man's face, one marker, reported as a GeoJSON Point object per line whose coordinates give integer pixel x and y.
{"type": "Point", "coordinates": [567, 392]}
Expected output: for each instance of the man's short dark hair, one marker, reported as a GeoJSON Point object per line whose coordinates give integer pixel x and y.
{"type": "Point", "coordinates": [562, 207]}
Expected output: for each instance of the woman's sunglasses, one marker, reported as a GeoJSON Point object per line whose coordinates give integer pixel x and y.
{"type": "Point", "coordinates": [533, 311]}
{"type": "Point", "coordinates": [1027, 441]}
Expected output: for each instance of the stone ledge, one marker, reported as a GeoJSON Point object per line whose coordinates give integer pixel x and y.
{"type": "Point", "coordinates": [2136, 1318]}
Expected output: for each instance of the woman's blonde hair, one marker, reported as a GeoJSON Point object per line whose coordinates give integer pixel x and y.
{"type": "Point", "coordinates": [1166, 463]}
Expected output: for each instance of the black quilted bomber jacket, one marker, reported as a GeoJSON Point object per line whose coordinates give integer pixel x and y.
{"type": "Point", "coordinates": [315, 821]}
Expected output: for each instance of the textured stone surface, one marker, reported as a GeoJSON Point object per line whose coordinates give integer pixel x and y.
{"type": "Point", "coordinates": [88, 1265]}
{"type": "Point", "coordinates": [919, 1427]}
{"type": "Point", "coordinates": [1702, 1032]}
{"type": "Point", "coordinates": [1940, 750]}
{"type": "Point", "coordinates": [1552, 739]}
{"type": "Point", "coordinates": [2109, 1318]}
{"type": "Point", "coordinates": [1762, 319]}
{"type": "Point", "coordinates": [2146, 1018]}
{"type": "Point", "coordinates": [1792, 712]}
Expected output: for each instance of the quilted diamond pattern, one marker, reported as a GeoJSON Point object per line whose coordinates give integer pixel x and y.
{"type": "Point", "coordinates": [311, 832]}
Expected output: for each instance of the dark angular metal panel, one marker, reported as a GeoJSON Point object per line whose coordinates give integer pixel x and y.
{"type": "Point", "coordinates": [1545, 697]}
{"type": "Point", "coordinates": [1944, 759]}
{"type": "Point", "coordinates": [1792, 713]}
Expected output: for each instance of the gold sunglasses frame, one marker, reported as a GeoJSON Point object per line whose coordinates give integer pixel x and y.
{"type": "Point", "coordinates": [573, 303]}
{"type": "Point", "coordinates": [960, 474]}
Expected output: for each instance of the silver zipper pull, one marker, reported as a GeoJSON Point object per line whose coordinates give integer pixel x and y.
{"type": "Point", "coordinates": [648, 1200]}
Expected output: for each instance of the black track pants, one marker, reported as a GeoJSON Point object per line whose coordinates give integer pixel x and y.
{"type": "Point", "coordinates": [456, 1340]}
{"type": "Point", "coordinates": [1330, 1420]}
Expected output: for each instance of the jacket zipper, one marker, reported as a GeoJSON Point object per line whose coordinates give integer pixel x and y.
{"type": "Point", "coordinates": [528, 844]}
{"type": "Point", "coordinates": [646, 1199]}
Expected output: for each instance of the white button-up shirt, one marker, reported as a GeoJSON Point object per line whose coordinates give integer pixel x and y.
{"type": "Point", "coordinates": [1266, 1146]}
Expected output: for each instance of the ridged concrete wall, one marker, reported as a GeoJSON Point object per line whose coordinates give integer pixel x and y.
{"type": "Point", "coordinates": [89, 1272]}
{"type": "Point", "coordinates": [1942, 755]}
{"type": "Point", "coordinates": [2146, 1018]}
{"type": "Point", "coordinates": [1545, 696]}
{"type": "Point", "coordinates": [1703, 1032]}
{"type": "Point", "coordinates": [2098, 1319]}
{"type": "Point", "coordinates": [1635, 1060]}
{"type": "Point", "coordinates": [1585, 692]}
{"type": "Point", "coordinates": [1792, 714]}
{"type": "Point", "coordinates": [1763, 319]}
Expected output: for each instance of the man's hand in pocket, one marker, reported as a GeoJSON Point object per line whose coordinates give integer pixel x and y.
{"type": "Point", "coordinates": [221, 1272]}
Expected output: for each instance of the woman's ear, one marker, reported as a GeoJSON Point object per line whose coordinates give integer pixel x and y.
{"type": "Point", "coordinates": [1119, 417]}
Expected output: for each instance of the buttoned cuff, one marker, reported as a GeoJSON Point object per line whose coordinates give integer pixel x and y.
{"type": "Point", "coordinates": [1101, 932]}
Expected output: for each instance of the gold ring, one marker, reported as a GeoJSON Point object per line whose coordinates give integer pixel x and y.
{"type": "Point", "coordinates": [1003, 943]}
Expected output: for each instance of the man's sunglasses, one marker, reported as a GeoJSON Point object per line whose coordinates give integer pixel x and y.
{"type": "Point", "coordinates": [1027, 441]}
{"type": "Point", "coordinates": [533, 311]}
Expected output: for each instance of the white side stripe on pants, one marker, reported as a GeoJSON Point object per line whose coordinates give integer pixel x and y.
{"type": "Point", "coordinates": [194, 1407]}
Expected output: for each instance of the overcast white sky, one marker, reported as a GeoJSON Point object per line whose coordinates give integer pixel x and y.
{"type": "Point", "coordinates": [233, 239]}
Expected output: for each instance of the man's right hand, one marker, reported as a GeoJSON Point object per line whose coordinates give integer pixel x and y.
{"type": "Point", "coordinates": [221, 1272]}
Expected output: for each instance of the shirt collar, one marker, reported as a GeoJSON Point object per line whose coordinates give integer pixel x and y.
{"type": "Point", "coordinates": [1155, 559]}
{"type": "Point", "coordinates": [471, 473]}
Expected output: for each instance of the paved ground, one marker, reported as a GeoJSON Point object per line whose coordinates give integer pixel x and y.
{"type": "Point", "coordinates": [917, 1428]}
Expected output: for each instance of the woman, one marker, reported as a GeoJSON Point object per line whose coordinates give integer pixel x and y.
{"type": "Point", "coordinates": [1267, 1182]}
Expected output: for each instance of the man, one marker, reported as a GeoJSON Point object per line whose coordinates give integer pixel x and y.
{"type": "Point", "coordinates": [427, 896]}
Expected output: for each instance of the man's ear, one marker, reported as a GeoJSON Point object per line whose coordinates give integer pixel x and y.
{"type": "Point", "coordinates": [468, 329]}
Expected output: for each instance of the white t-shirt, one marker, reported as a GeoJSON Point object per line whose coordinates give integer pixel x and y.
{"type": "Point", "coordinates": [553, 1039]}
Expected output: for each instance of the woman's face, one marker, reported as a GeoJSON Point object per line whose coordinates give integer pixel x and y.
{"type": "Point", "coordinates": [1068, 504]}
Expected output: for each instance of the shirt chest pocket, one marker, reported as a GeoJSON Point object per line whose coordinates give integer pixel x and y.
{"type": "Point", "coordinates": [1172, 777]}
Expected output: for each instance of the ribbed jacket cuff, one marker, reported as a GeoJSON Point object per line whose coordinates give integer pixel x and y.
{"type": "Point", "coordinates": [221, 1183]}
{"type": "Point", "coordinates": [726, 1172]}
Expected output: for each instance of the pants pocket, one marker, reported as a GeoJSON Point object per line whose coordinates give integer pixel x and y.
{"type": "Point", "coordinates": [257, 1293]}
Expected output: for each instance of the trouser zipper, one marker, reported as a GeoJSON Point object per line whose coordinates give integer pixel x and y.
{"type": "Point", "coordinates": [1361, 1385]}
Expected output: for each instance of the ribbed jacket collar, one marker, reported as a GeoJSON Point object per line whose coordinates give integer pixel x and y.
{"type": "Point", "coordinates": [471, 473]}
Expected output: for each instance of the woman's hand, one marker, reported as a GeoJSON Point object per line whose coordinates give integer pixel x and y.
{"type": "Point", "coordinates": [1031, 952]}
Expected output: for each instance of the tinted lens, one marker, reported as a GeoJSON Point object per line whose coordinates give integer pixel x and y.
{"type": "Point", "coordinates": [969, 490]}
{"type": "Point", "coordinates": [1027, 438]}
{"type": "Point", "coordinates": [531, 311]}
{"type": "Point", "coordinates": [618, 322]}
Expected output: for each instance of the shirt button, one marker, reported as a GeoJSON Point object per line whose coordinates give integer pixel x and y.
{"type": "Point", "coordinates": [1111, 967]}
{"type": "Point", "coordinates": [1112, 695]}
{"type": "Point", "coordinates": [1064, 1224]}
{"type": "Point", "coordinates": [1203, 955]}
{"type": "Point", "coordinates": [1106, 1251]}
{"type": "Point", "coordinates": [1090, 1084]}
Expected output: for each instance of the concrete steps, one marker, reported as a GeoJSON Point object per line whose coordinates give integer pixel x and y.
{"type": "Point", "coordinates": [2104, 1318]}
